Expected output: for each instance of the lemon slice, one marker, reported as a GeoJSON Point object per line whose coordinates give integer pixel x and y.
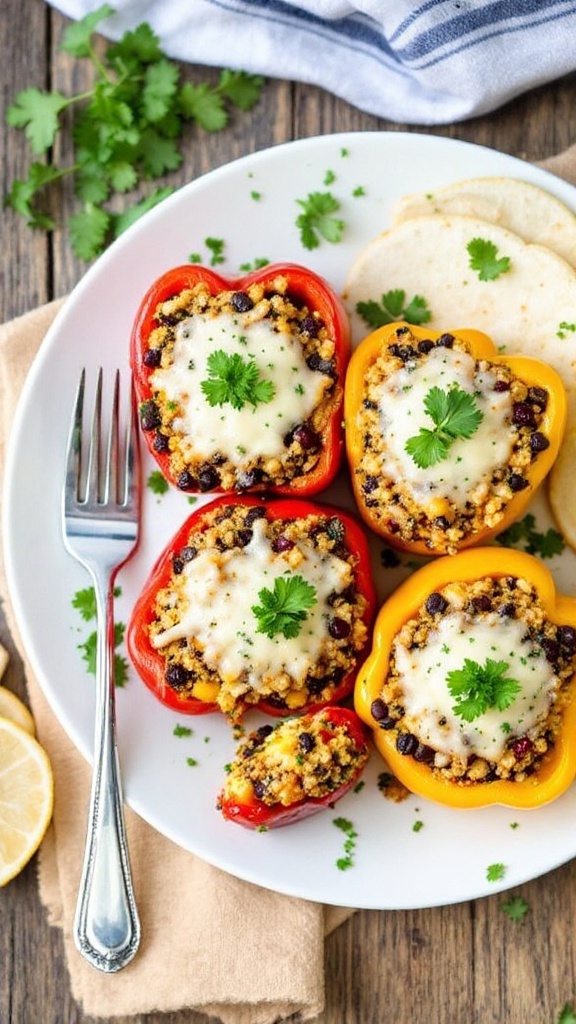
{"type": "Point", "coordinates": [26, 797]}
{"type": "Point", "coordinates": [13, 708]}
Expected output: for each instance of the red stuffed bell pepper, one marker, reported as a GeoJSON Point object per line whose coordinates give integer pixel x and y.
{"type": "Point", "coordinates": [285, 773]}
{"type": "Point", "coordinates": [240, 382]}
{"type": "Point", "coordinates": [255, 604]}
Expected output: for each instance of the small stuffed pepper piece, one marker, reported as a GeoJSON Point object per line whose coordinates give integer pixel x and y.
{"type": "Point", "coordinates": [255, 604]}
{"type": "Point", "coordinates": [287, 772]}
{"type": "Point", "coordinates": [447, 440]}
{"type": "Point", "coordinates": [470, 687]}
{"type": "Point", "coordinates": [240, 383]}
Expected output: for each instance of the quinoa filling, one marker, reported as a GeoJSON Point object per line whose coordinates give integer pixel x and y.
{"type": "Point", "coordinates": [471, 485]}
{"type": "Point", "coordinates": [294, 761]}
{"type": "Point", "coordinates": [270, 431]}
{"type": "Point", "coordinates": [208, 632]}
{"type": "Point", "coordinates": [466, 631]}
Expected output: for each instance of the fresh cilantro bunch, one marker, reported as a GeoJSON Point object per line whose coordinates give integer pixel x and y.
{"type": "Point", "coordinates": [478, 688]}
{"type": "Point", "coordinates": [235, 381]}
{"type": "Point", "coordinates": [125, 129]}
{"type": "Point", "coordinates": [284, 609]}
{"type": "Point", "coordinates": [455, 414]}
{"type": "Point", "coordinates": [524, 534]}
{"type": "Point", "coordinates": [393, 307]}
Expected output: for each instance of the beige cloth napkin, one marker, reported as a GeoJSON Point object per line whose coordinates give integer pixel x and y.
{"type": "Point", "coordinates": [210, 942]}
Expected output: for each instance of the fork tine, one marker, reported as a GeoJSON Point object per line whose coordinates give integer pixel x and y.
{"type": "Point", "coordinates": [74, 450]}
{"type": "Point", "coordinates": [131, 462]}
{"type": "Point", "coordinates": [112, 479]}
{"type": "Point", "coordinates": [95, 449]}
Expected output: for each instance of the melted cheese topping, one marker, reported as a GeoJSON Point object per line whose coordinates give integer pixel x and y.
{"type": "Point", "coordinates": [239, 434]}
{"type": "Point", "coordinates": [427, 700]}
{"type": "Point", "coordinates": [220, 589]}
{"type": "Point", "coordinates": [470, 461]}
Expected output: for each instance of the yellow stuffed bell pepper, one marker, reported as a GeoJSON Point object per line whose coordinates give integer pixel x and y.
{"type": "Point", "coordinates": [446, 439]}
{"type": "Point", "coordinates": [470, 686]}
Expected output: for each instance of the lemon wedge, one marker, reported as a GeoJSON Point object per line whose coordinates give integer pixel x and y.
{"type": "Point", "coordinates": [26, 797]}
{"type": "Point", "coordinates": [13, 708]}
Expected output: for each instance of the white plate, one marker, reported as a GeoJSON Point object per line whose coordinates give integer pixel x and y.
{"type": "Point", "coordinates": [395, 866]}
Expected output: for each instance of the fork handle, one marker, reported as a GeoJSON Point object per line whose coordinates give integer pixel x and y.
{"type": "Point", "coordinates": [106, 926]}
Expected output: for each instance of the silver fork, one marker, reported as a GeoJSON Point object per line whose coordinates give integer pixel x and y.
{"type": "Point", "coordinates": [100, 517]}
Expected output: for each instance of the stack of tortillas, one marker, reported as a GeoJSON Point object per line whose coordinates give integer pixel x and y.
{"type": "Point", "coordinates": [530, 309]}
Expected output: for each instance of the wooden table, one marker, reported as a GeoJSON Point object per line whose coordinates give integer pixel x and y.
{"type": "Point", "coordinates": [465, 964]}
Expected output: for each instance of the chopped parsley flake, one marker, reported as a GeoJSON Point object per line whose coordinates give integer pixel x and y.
{"type": "Point", "coordinates": [346, 826]}
{"type": "Point", "coordinates": [495, 872]}
{"type": "Point", "coordinates": [516, 908]}
{"type": "Point", "coordinates": [157, 483]}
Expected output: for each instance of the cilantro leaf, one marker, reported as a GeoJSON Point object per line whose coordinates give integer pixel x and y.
{"type": "Point", "coordinates": [524, 534]}
{"type": "Point", "coordinates": [346, 826]}
{"type": "Point", "coordinates": [37, 112]}
{"type": "Point", "coordinates": [478, 688]}
{"type": "Point", "coordinates": [317, 220]}
{"type": "Point", "coordinates": [77, 37]}
{"type": "Point", "coordinates": [485, 261]}
{"type": "Point", "coordinates": [454, 414]}
{"type": "Point", "coordinates": [157, 483]}
{"type": "Point", "coordinates": [242, 89]}
{"type": "Point", "coordinates": [567, 1014]}
{"type": "Point", "coordinates": [284, 609]}
{"type": "Point", "coordinates": [235, 381]}
{"type": "Point", "coordinates": [516, 908]}
{"type": "Point", "coordinates": [392, 308]}
{"type": "Point", "coordinates": [88, 230]}
{"type": "Point", "coordinates": [84, 601]}
{"type": "Point", "coordinates": [200, 103]}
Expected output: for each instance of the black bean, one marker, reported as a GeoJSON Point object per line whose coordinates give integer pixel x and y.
{"type": "Point", "coordinates": [424, 753]}
{"type": "Point", "coordinates": [325, 366]}
{"type": "Point", "coordinates": [406, 743]}
{"type": "Point", "coordinates": [482, 603]}
{"type": "Point", "coordinates": [538, 396]}
{"type": "Point", "coordinates": [507, 610]}
{"type": "Point", "coordinates": [370, 484]}
{"type": "Point", "coordinates": [425, 346]}
{"type": "Point", "coordinates": [539, 442]}
{"type": "Point", "coordinates": [161, 442]}
{"type": "Point", "coordinates": [241, 302]}
{"type": "Point", "coordinates": [310, 325]}
{"type": "Point", "coordinates": [446, 341]}
{"type": "Point", "coordinates": [248, 478]}
{"type": "Point", "coordinates": [253, 513]}
{"type": "Point", "coordinates": [186, 481]}
{"type": "Point", "coordinates": [436, 604]}
{"type": "Point", "coordinates": [177, 676]}
{"type": "Point", "coordinates": [259, 788]}
{"type": "Point", "coordinates": [523, 414]}
{"type": "Point", "coordinates": [441, 523]}
{"type": "Point", "coordinates": [150, 417]}
{"type": "Point", "coordinates": [517, 482]}
{"type": "Point", "coordinates": [243, 538]}
{"type": "Point", "coordinates": [338, 628]}
{"type": "Point", "coordinates": [378, 709]}
{"type": "Point", "coordinates": [282, 543]}
{"type": "Point", "coordinates": [502, 385]}
{"type": "Point", "coordinates": [152, 358]}
{"type": "Point", "coordinates": [208, 479]}
{"type": "Point", "coordinates": [567, 637]}
{"type": "Point", "coordinates": [551, 649]}
{"type": "Point", "coordinates": [306, 742]}
{"type": "Point", "coordinates": [305, 437]}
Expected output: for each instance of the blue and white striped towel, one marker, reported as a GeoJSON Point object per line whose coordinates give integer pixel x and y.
{"type": "Point", "coordinates": [432, 62]}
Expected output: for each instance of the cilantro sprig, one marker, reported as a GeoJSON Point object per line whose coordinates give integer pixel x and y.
{"type": "Point", "coordinates": [484, 259]}
{"type": "Point", "coordinates": [317, 219]}
{"type": "Point", "coordinates": [478, 688]}
{"type": "Point", "coordinates": [284, 608]}
{"type": "Point", "coordinates": [454, 414]}
{"type": "Point", "coordinates": [125, 129]}
{"type": "Point", "coordinates": [84, 602]}
{"type": "Point", "coordinates": [233, 380]}
{"type": "Point", "coordinates": [524, 534]}
{"type": "Point", "coordinates": [394, 307]}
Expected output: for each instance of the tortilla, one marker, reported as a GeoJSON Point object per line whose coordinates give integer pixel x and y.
{"type": "Point", "coordinates": [531, 308]}
{"type": "Point", "coordinates": [528, 210]}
